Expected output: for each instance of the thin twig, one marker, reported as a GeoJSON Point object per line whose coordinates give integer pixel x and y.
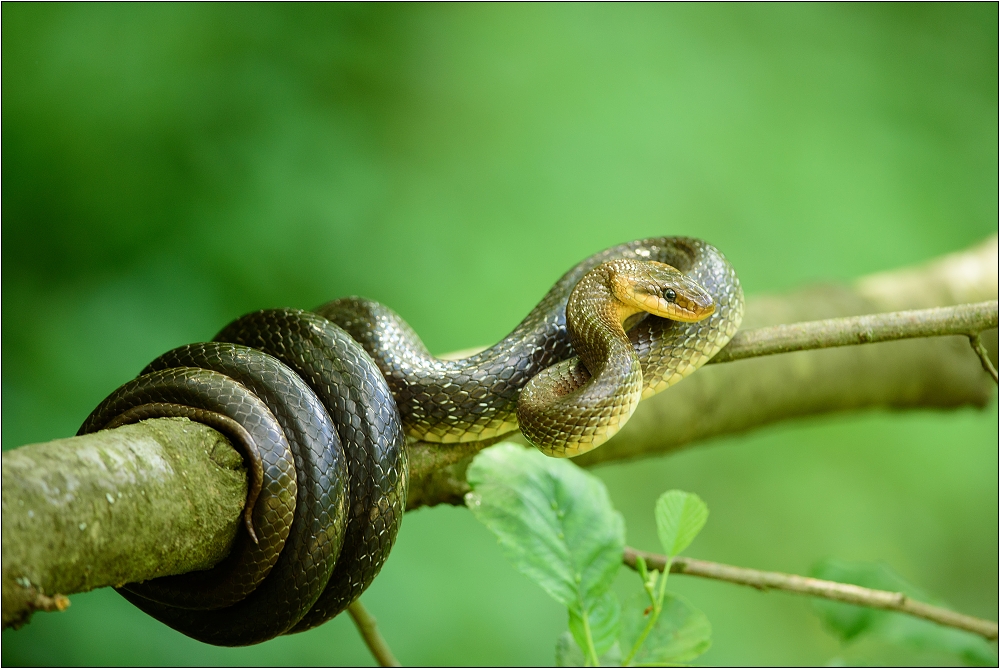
{"type": "Point", "coordinates": [369, 632]}
{"type": "Point", "coordinates": [984, 357]}
{"type": "Point", "coordinates": [964, 319]}
{"type": "Point", "coordinates": [803, 585]}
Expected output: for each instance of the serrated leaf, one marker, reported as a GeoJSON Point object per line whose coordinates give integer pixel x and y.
{"type": "Point", "coordinates": [603, 618]}
{"type": "Point", "coordinates": [679, 518]}
{"type": "Point", "coordinates": [568, 653]}
{"type": "Point", "coordinates": [681, 632]}
{"type": "Point", "coordinates": [554, 521]}
{"type": "Point", "coordinates": [848, 621]}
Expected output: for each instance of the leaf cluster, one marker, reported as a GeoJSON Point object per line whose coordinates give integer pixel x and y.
{"type": "Point", "coordinates": [556, 524]}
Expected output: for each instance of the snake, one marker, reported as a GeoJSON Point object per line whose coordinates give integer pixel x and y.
{"type": "Point", "coordinates": [323, 403]}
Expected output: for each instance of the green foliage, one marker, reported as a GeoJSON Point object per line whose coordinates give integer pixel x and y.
{"type": "Point", "coordinates": [668, 631]}
{"type": "Point", "coordinates": [568, 653]}
{"type": "Point", "coordinates": [849, 622]}
{"type": "Point", "coordinates": [680, 634]}
{"type": "Point", "coordinates": [555, 523]}
{"type": "Point", "coordinates": [679, 518]}
{"type": "Point", "coordinates": [600, 627]}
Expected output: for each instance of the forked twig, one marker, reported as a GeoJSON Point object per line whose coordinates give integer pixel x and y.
{"type": "Point", "coordinates": [977, 346]}
{"type": "Point", "coordinates": [814, 587]}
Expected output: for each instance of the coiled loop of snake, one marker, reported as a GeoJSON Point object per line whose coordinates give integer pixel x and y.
{"type": "Point", "coordinates": [476, 398]}
{"type": "Point", "coordinates": [319, 403]}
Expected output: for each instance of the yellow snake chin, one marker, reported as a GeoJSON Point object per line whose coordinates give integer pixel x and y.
{"type": "Point", "coordinates": [571, 409]}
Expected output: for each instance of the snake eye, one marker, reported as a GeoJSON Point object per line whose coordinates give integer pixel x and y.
{"type": "Point", "coordinates": [669, 294]}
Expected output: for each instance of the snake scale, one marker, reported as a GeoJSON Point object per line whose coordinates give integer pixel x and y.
{"type": "Point", "coordinates": [322, 403]}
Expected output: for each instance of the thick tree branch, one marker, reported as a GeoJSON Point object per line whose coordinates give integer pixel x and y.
{"type": "Point", "coordinates": [182, 486]}
{"type": "Point", "coordinates": [368, 629]}
{"type": "Point", "coordinates": [814, 587]}
{"type": "Point", "coordinates": [141, 501]}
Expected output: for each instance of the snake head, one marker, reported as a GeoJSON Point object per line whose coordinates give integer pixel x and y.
{"type": "Point", "coordinates": [658, 288]}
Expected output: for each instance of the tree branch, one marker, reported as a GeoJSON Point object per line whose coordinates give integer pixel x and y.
{"type": "Point", "coordinates": [814, 587]}
{"type": "Point", "coordinates": [368, 629]}
{"type": "Point", "coordinates": [140, 501]}
{"type": "Point", "coordinates": [965, 319]}
{"type": "Point", "coordinates": [178, 487]}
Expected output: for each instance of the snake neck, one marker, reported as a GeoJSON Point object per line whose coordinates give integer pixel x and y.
{"type": "Point", "coordinates": [574, 406]}
{"type": "Point", "coordinates": [450, 401]}
{"type": "Point", "coordinates": [596, 326]}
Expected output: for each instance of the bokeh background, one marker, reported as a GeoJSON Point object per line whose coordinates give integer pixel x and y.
{"type": "Point", "coordinates": [167, 168]}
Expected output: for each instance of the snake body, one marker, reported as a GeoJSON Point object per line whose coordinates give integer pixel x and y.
{"type": "Point", "coordinates": [322, 402]}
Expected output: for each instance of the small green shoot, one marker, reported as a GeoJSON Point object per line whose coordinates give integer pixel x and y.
{"type": "Point", "coordinates": [680, 633]}
{"type": "Point", "coordinates": [680, 516]}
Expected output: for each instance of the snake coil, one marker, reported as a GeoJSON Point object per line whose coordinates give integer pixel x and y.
{"type": "Point", "coordinates": [321, 403]}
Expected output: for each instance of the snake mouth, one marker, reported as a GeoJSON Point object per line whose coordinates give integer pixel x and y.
{"type": "Point", "coordinates": [689, 312]}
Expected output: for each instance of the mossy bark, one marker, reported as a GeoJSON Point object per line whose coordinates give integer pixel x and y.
{"type": "Point", "coordinates": [161, 497]}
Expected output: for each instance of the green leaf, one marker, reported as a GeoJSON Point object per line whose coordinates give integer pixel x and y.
{"type": "Point", "coordinates": [603, 618]}
{"type": "Point", "coordinates": [679, 518]}
{"type": "Point", "coordinates": [555, 524]}
{"type": "Point", "coordinates": [680, 634]}
{"type": "Point", "coordinates": [849, 622]}
{"type": "Point", "coordinates": [568, 653]}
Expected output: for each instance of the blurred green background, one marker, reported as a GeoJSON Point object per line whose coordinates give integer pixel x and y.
{"type": "Point", "coordinates": [169, 167]}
